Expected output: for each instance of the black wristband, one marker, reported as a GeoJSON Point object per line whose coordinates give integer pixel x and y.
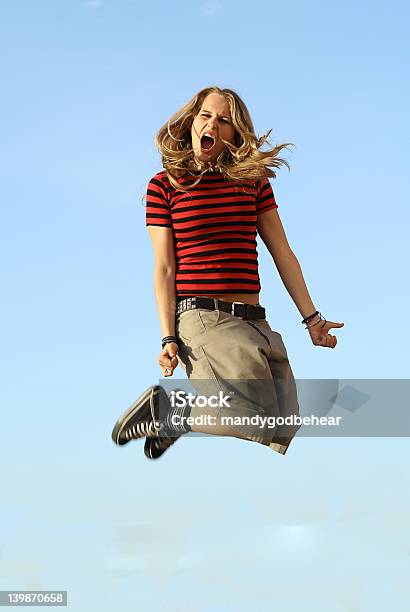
{"type": "Point", "coordinates": [167, 339]}
{"type": "Point", "coordinates": [310, 317]}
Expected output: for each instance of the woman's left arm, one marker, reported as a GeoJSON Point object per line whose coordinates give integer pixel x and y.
{"type": "Point", "coordinates": [271, 231]}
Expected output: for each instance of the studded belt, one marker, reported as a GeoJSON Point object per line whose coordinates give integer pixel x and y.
{"type": "Point", "coordinates": [237, 309]}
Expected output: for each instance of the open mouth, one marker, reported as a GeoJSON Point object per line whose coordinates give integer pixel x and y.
{"type": "Point", "coordinates": [207, 142]}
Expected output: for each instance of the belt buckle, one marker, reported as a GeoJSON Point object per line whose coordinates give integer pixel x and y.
{"type": "Point", "coordinates": [233, 309]}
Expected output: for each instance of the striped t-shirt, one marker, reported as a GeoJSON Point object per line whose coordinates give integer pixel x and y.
{"type": "Point", "coordinates": [214, 227]}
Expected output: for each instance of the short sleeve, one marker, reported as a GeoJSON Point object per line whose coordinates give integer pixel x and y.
{"type": "Point", "coordinates": [157, 210]}
{"type": "Point", "coordinates": [265, 200]}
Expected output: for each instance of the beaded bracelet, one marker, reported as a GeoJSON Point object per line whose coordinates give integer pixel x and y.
{"type": "Point", "coordinates": [321, 318]}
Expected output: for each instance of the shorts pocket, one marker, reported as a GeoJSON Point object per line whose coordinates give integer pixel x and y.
{"type": "Point", "coordinates": [209, 318]}
{"type": "Point", "coordinates": [191, 325]}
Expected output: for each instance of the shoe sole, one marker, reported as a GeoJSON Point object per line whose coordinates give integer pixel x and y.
{"type": "Point", "coordinates": [153, 453]}
{"type": "Point", "coordinates": [144, 401]}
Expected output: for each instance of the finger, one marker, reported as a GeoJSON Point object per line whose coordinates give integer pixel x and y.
{"type": "Point", "coordinates": [165, 362]}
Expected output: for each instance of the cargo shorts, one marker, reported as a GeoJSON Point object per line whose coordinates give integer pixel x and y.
{"type": "Point", "coordinates": [247, 360]}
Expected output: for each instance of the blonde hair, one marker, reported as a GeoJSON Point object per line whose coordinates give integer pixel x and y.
{"type": "Point", "coordinates": [240, 160]}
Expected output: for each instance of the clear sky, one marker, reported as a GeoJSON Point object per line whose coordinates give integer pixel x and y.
{"type": "Point", "coordinates": [216, 525]}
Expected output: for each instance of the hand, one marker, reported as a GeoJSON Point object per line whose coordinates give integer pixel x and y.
{"type": "Point", "coordinates": [167, 359]}
{"type": "Point", "coordinates": [320, 336]}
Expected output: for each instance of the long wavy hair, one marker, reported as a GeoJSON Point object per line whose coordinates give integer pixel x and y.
{"type": "Point", "coordinates": [242, 159]}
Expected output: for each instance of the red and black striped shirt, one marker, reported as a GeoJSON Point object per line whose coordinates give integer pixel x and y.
{"type": "Point", "coordinates": [214, 228]}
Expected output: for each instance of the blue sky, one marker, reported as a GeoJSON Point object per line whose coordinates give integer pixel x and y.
{"type": "Point", "coordinates": [217, 525]}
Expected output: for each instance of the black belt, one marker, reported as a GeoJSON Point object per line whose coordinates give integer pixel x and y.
{"type": "Point", "coordinates": [237, 309]}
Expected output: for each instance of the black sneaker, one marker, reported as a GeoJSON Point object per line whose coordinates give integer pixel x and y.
{"type": "Point", "coordinates": [155, 447]}
{"type": "Point", "coordinates": [141, 418]}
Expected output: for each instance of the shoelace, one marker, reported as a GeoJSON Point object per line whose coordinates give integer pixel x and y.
{"type": "Point", "coordinates": [142, 430]}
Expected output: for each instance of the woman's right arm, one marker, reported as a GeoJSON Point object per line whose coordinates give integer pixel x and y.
{"type": "Point", "coordinates": [165, 293]}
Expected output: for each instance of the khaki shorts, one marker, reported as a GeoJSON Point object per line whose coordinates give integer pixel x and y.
{"type": "Point", "coordinates": [247, 358]}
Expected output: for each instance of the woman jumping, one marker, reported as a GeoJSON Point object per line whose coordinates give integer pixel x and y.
{"type": "Point", "coordinates": [204, 210]}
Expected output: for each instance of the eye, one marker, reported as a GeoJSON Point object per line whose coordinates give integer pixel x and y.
{"type": "Point", "coordinates": [225, 120]}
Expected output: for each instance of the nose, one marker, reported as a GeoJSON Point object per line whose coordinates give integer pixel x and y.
{"type": "Point", "coordinates": [212, 123]}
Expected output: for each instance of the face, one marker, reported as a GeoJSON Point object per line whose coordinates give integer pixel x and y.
{"type": "Point", "coordinates": [212, 123]}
